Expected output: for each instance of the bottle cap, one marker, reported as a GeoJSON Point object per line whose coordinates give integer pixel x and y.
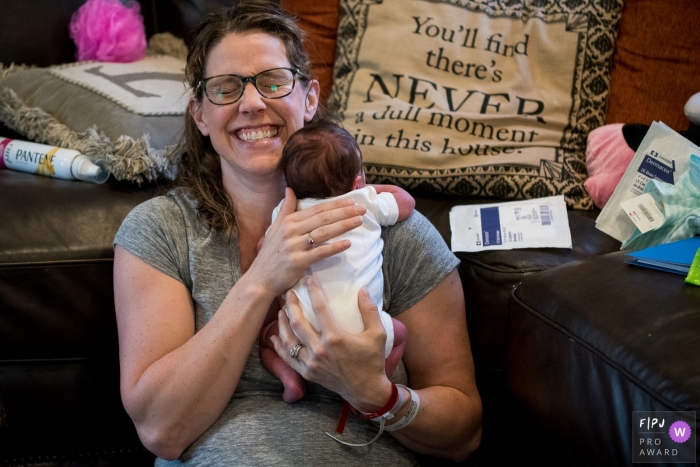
{"type": "Point", "coordinates": [89, 170]}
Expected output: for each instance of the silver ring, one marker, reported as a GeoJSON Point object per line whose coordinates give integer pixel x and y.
{"type": "Point", "coordinates": [294, 351]}
{"type": "Point", "coordinates": [311, 242]}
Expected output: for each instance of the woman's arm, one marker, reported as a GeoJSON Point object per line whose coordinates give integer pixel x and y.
{"type": "Point", "coordinates": [439, 364]}
{"type": "Point", "coordinates": [174, 382]}
{"type": "Point", "coordinates": [438, 361]}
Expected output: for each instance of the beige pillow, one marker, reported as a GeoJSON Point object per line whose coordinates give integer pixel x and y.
{"type": "Point", "coordinates": [479, 98]}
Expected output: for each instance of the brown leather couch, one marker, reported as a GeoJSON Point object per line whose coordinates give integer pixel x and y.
{"type": "Point", "coordinates": [567, 343]}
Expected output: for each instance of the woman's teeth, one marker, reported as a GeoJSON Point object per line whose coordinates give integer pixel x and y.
{"type": "Point", "coordinates": [256, 135]}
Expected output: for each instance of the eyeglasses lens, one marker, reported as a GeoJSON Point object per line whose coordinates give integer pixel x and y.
{"type": "Point", "coordinates": [272, 84]}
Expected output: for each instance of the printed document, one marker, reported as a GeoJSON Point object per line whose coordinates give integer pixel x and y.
{"type": "Point", "coordinates": [532, 223]}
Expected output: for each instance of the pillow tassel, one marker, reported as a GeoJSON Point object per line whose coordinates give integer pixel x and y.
{"type": "Point", "coordinates": [128, 158]}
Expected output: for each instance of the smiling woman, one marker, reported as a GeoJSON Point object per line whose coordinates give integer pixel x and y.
{"type": "Point", "coordinates": [217, 129]}
{"type": "Point", "coordinates": [233, 127]}
{"type": "Point", "coordinates": [192, 291]}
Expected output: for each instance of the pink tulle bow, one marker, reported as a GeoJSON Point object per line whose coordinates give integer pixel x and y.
{"type": "Point", "coordinates": [109, 31]}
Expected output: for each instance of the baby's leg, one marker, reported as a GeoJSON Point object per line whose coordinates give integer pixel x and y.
{"type": "Point", "coordinates": [400, 335]}
{"type": "Point", "coordinates": [294, 385]}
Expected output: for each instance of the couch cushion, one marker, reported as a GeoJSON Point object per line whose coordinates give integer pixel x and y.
{"type": "Point", "coordinates": [47, 220]}
{"type": "Point", "coordinates": [489, 276]}
{"type": "Point", "coordinates": [590, 342]}
{"type": "Point", "coordinates": [59, 368]}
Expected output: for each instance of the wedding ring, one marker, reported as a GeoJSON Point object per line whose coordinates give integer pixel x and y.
{"type": "Point", "coordinates": [311, 242]}
{"type": "Point", "coordinates": [294, 351]}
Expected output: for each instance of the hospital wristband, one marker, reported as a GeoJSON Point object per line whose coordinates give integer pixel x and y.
{"type": "Point", "coordinates": [408, 417]}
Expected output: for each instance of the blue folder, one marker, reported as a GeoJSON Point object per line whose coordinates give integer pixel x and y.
{"type": "Point", "coordinates": [670, 257]}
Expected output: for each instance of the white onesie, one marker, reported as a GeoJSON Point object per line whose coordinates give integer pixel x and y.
{"type": "Point", "coordinates": [343, 275]}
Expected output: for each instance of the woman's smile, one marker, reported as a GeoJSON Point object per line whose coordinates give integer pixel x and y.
{"type": "Point", "coordinates": [256, 134]}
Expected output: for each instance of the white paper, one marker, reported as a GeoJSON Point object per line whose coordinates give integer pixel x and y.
{"type": "Point", "coordinates": [663, 155]}
{"type": "Point", "coordinates": [645, 212]}
{"type": "Point", "coordinates": [532, 223]}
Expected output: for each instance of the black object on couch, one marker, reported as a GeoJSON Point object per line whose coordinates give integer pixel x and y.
{"type": "Point", "coordinates": [567, 343]}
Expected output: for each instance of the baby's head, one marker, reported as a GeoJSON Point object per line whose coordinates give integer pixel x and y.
{"type": "Point", "coordinates": [322, 160]}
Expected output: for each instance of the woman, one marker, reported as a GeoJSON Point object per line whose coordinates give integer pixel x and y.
{"type": "Point", "coordinates": [192, 292]}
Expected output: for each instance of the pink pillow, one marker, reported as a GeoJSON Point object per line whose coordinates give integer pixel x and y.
{"type": "Point", "coordinates": [607, 158]}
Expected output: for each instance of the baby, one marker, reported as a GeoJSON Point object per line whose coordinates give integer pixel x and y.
{"type": "Point", "coordinates": [323, 161]}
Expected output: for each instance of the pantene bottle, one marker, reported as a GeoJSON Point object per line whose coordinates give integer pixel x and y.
{"type": "Point", "coordinates": [50, 161]}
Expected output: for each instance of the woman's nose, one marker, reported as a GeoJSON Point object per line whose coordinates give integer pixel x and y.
{"type": "Point", "coordinates": [251, 100]}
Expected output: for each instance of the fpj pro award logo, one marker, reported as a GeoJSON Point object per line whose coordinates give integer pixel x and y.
{"type": "Point", "coordinates": [663, 437]}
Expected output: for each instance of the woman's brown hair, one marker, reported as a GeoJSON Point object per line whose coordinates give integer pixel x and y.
{"type": "Point", "coordinates": [199, 170]}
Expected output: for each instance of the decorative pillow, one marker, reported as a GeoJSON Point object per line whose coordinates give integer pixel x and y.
{"type": "Point", "coordinates": [319, 19]}
{"type": "Point", "coordinates": [655, 74]}
{"type": "Point", "coordinates": [475, 97]}
{"type": "Point", "coordinates": [128, 114]}
{"type": "Point", "coordinates": [607, 158]}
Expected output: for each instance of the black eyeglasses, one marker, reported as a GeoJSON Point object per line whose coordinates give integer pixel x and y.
{"type": "Point", "coordinates": [271, 84]}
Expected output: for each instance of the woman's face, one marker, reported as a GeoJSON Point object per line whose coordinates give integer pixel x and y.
{"type": "Point", "coordinates": [249, 134]}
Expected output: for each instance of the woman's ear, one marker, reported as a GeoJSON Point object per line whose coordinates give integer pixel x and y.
{"type": "Point", "coordinates": [195, 109]}
{"type": "Point", "coordinates": [312, 96]}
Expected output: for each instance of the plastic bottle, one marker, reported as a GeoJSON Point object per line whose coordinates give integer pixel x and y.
{"type": "Point", "coordinates": [50, 161]}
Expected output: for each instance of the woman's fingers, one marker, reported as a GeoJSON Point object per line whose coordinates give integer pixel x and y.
{"type": "Point", "coordinates": [298, 323]}
{"type": "Point", "coordinates": [369, 311]}
{"type": "Point", "coordinates": [293, 329]}
{"type": "Point", "coordinates": [324, 316]}
{"type": "Point", "coordinates": [325, 221]}
{"type": "Point", "coordinates": [329, 206]}
{"type": "Point", "coordinates": [290, 203]}
{"type": "Point", "coordinates": [288, 251]}
{"type": "Point", "coordinates": [325, 232]}
{"type": "Point", "coordinates": [351, 365]}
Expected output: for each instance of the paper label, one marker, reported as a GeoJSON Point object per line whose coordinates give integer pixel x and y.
{"type": "Point", "coordinates": [536, 223]}
{"type": "Point", "coordinates": [645, 212]}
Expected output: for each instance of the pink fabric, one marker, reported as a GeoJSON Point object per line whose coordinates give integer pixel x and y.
{"type": "Point", "coordinates": [607, 158]}
{"type": "Point", "coordinates": [109, 31]}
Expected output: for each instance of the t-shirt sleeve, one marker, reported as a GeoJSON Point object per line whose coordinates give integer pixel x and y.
{"type": "Point", "coordinates": [156, 232]}
{"type": "Point", "coordinates": [387, 209]}
{"type": "Point", "coordinates": [416, 260]}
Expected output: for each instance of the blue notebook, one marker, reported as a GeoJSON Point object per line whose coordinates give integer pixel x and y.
{"type": "Point", "coordinates": [670, 257]}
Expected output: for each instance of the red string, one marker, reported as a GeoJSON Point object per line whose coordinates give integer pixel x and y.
{"type": "Point", "coordinates": [343, 417]}
{"type": "Point", "coordinates": [384, 410]}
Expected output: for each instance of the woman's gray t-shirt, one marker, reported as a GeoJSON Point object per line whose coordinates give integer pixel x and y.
{"type": "Point", "coordinates": [257, 427]}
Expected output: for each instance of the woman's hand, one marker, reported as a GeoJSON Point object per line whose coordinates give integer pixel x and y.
{"type": "Point", "coordinates": [287, 252]}
{"type": "Point", "coordinates": [352, 365]}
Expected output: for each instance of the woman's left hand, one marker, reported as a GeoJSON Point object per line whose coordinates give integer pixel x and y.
{"type": "Point", "coordinates": [351, 365]}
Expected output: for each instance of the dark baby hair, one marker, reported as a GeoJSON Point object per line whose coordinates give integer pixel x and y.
{"type": "Point", "coordinates": [321, 160]}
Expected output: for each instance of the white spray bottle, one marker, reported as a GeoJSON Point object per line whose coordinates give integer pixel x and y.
{"type": "Point", "coordinates": [51, 161]}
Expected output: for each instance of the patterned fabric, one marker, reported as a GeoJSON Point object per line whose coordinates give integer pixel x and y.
{"type": "Point", "coordinates": [681, 204]}
{"type": "Point", "coordinates": [478, 98]}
